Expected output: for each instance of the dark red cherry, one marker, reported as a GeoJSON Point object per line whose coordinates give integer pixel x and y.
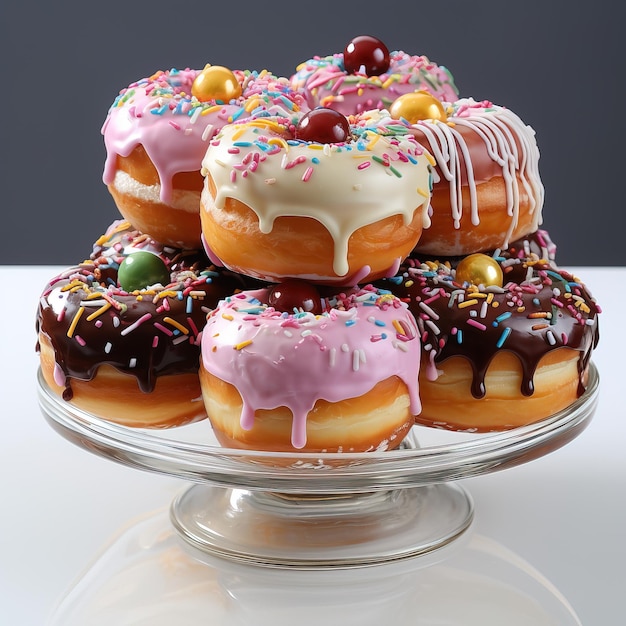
{"type": "Point", "coordinates": [323, 125]}
{"type": "Point", "coordinates": [366, 55]}
{"type": "Point", "coordinates": [295, 294]}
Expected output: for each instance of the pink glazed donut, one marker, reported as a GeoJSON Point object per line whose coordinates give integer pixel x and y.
{"type": "Point", "coordinates": [157, 131]}
{"type": "Point", "coordinates": [373, 79]}
{"type": "Point", "coordinates": [328, 374]}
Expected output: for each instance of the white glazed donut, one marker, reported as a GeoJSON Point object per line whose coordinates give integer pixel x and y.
{"type": "Point", "coordinates": [275, 206]}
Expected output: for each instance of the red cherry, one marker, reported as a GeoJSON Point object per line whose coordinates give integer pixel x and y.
{"type": "Point", "coordinates": [323, 125]}
{"type": "Point", "coordinates": [295, 294]}
{"type": "Point", "coordinates": [366, 55]}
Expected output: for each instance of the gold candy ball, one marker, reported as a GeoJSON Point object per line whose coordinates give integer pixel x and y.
{"type": "Point", "coordinates": [416, 106]}
{"type": "Point", "coordinates": [479, 269]}
{"type": "Point", "coordinates": [215, 82]}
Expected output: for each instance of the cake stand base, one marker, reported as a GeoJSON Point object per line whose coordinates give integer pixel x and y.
{"type": "Point", "coordinates": [317, 531]}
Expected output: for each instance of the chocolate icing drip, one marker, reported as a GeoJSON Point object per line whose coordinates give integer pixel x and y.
{"type": "Point", "coordinates": [153, 332]}
{"type": "Point", "coordinates": [539, 309]}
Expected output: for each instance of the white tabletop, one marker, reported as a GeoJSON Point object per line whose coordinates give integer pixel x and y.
{"type": "Point", "coordinates": [564, 513]}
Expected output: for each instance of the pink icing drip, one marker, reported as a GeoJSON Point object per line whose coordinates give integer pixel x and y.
{"type": "Point", "coordinates": [247, 416]}
{"type": "Point", "coordinates": [212, 256]}
{"type": "Point", "coordinates": [393, 270]}
{"type": "Point", "coordinates": [431, 368]}
{"type": "Point", "coordinates": [358, 276]}
{"type": "Point", "coordinates": [58, 375]}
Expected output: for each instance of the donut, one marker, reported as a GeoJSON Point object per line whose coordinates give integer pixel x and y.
{"type": "Point", "coordinates": [157, 131]}
{"type": "Point", "coordinates": [338, 375]}
{"type": "Point", "coordinates": [130, 354]}
{"type": "Point", "coordinates": [367, 76]}
{"type": "Point", "coordinates": [505, 341]}
{"type": "Point", "coordinates": [487, 190]}
{"type": "Point", "coordinates": [283, 201]}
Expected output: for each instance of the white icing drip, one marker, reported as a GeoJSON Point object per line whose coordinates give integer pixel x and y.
{"type": "Point", "coordinates": [501, 131]}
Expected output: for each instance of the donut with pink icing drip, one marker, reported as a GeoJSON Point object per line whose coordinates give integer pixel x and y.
{"type": "Point", "coordinates": [343, 380]}
{"type": "Point", "coordinates": [156, 133]}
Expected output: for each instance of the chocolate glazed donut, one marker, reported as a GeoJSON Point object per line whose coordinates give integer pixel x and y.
{"type": "Point", "coordinates": [130, 355]}
{"type": "Point", "coordinates": [496, 356]}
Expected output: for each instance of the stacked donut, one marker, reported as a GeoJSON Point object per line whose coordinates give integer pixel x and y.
{"type": "Point", "coordinates": [373, 248]}
{"type": "Point", "coordinates": [313, 361]}
{"type": "Point", "coordinates": [156, 133]}
{"type": "Point", "coordinates": [506, 335]}
{"type": "Point", "coordinates": [119, 334]}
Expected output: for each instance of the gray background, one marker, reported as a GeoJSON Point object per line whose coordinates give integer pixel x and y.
{"type": "Point", "coordinates": [558, 65]}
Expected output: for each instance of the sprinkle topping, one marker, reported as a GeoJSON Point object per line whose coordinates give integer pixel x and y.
{"type": "Point", "coordinates": [457, 318]}
{"type": "Point", "coordinates": [327, 83]}
{"type": "Point", "coordinates": [144, 332]}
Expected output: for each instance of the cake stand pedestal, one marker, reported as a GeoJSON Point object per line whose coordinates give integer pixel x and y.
{"type": "Point", "coordinates": [306, 532]}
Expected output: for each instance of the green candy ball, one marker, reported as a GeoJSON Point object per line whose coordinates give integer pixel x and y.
{"type": "Point", "coordinates": [140, 270]}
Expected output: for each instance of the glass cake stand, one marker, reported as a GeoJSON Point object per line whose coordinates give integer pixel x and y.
{"type": "Point", "coordinates": [284, 509]}
{"type": "Point", "coordinates": [319, 512]}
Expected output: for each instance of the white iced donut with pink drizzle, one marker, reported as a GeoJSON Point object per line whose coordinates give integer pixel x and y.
{"type": "Point", "coordinates": [330, 81]}
{"type": "Point", "coordinates": [157, 131]}
{"type": "Point", "coordinates": [343, 211]}
{"type": "Point", "coordinates": [343, 379]}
